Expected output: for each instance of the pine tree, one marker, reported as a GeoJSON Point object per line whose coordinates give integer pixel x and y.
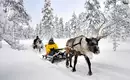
{"type": "Point", "coordinates": [56, 27]}
{"type": "Point", "coordinates": [0, 40]}
{"type": "Point", "coordinates": [61, 28]}
{"type": "Point", "coordinates": [47, 20]}
{"type": "Point", "coordinates": [67, 30]}
{"type": "Point", "coordinates": [119, 19]}
{"type": "Point", "coordinates": [94, 17]}
{"type": "Point", "coordinates": [37, 30]}
{"type": "Point", "coordinates": [29, 33]}
{"type": "Point", "coordinates": [82, 24]}
{"type": "Point", "coordinates": [13, 15]}
{"type": "Point", "coordinates": [74, 25]}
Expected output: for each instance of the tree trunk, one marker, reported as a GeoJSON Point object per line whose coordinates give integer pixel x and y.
{"type": "Point", "coordinates": [0, 41]}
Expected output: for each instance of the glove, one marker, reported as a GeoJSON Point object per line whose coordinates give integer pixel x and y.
{"type": "Point", "coordinates": [52, 49]}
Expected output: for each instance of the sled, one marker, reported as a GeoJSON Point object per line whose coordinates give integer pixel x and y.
{"type": "Point", "coordinates": [57, 57]}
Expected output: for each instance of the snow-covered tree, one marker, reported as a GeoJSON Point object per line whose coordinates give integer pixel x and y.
{"type": "Point", "coordinates": [56, 27]}
{"type": "Point", "coordinates": [0, 41]}
{"type": "Point", "coordinates": [3, 17]}
{"type": "Point", "coordinates": [3, 21]}
{"type": "Point", "coordinates": [13, 15]}
{"type": "Point", "coordinates": [47, 21]}
{"type": "Point", "coordinates": [119, 20]}
{"type": "Point", "coordinates": [82, 24]}
{"type": "Point", "coordinates": [37, 30]}
{"type": "Point", "coordinates": [67, 30]}
{"type": "Point", "coordinates": [17, 13]}
{"type": "Point", "coordinates": [74, 25]}
{"type": "Point", "coordinates": [29, 33]}
{"type": "Point", "coordinates": [19, 16]}
{"type": "Point", "coordinates": [94, 17]}
{"type": "Point", "coordinates": [20, 32]}
{"type": "Point", "coordinates": [61, 28]}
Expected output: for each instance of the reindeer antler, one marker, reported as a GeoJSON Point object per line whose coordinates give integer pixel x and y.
{"type": "Point", "coordinates": [101, 26]}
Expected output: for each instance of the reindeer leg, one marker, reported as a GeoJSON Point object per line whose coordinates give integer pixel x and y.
{"type": "Point", "coordinates": [70, 59]}
{"type": "Point", "coordinates": [39, 49]}
{"type": "Point", "coordinates": [67, 60]}
{"type": "Point", "coordinates": [75, 62]}
{"type": "Point", "coordinates": [89, 64]}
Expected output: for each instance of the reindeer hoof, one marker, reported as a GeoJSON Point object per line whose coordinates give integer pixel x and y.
{"type": "Point", "coordinates": [70, 65]}
{"type": "Point", "coordinates": [73, 70]}
{"type": "Point", "coordinates": [90, 73]}
{"type": "Point", "coordinates": [67, 66]}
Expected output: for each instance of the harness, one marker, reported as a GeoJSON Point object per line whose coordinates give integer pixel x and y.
{"type": "Point", "coordinates": [76, 43]}
{"type": "Point", "coordinates": [73, 45]}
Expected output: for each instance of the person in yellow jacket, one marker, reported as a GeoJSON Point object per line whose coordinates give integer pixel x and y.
{"type": "Point", "coordinates": [50, 47]}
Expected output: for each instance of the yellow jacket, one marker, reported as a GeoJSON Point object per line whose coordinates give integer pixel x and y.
{"type": "Point", "coordinates": [49, 47]}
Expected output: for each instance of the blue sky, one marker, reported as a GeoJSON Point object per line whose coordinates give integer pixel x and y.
{"type": "Point", "coordinates": [62, 8]}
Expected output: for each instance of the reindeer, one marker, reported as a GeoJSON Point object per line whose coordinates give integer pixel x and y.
{"type": "Point", "coordinates": [37, 44]}
{"type": "Point", "coordinates": [81, 45]}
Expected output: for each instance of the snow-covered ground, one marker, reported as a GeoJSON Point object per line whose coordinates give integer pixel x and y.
{"type": "Point", "coordinates": [28, 65]}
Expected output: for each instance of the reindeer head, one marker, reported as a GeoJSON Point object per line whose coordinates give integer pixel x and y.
{"type": "Point", "coordinates": [93, 44]}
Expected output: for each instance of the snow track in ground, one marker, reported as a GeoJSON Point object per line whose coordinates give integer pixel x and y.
{"type": "Point", "coordinates": [100, 71]}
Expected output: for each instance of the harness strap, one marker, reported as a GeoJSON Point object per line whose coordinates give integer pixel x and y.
{"type": "Point", "coordinates": [76, 43]}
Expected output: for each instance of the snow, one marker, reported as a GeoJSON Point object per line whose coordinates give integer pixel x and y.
{"type": "Point", "coordinates": [28, 65]}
